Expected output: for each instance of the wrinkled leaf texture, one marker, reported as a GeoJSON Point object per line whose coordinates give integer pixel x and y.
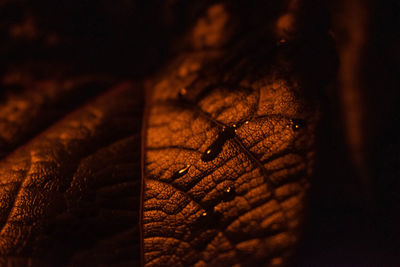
{"type": "Point", "coordinates": [229, 148]}
{"type": "Point", "coordinates": [70, 155]}
{"type": "Point", "coordinates": [70, 174]}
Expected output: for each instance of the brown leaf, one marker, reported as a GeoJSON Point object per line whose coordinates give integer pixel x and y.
{"type": "Point", "coordinates": [70, 195]}
{"type": "Point", "coordinates": [229, 151]}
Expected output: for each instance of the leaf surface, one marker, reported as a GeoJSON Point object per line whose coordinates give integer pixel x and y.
{"type": "Point", "coordinates": [229, 148]}
{"type": "Point", "coordinates": [70, 194]}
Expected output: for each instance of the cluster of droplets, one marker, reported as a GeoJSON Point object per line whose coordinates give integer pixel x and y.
{"type": "Point", "coordinates": [296, 124]}
{"type": "Point", "coordinates": [212, 214]}
{"type": "Point", "coordinates": [212, 152]}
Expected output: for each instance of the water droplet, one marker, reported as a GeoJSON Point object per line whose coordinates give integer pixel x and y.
{"type": "Point", "coordinates": [234, 126]}
{"type": "Point", "coordinates": [209, 216]}
{"type": "Point", "coordinates": [282, 42]}
{"type": "Point", "coordinates": [182, 93]}
{"type": "Point", "coordinates": [216, 147]}
{"type": "Point", "coordinates": [297, 124]}
{"type": "Point", "coordinates": [229, 194]}
{"type": "Point", "coordinates": [210, 219]}
{"type": "Point", "coordinates": [276, 261]}
{"type": "Point", "coordinates": [181, 172]}
{"type": "Point", "coordinates": [184, 170]}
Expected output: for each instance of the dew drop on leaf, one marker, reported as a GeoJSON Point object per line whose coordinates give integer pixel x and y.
{"type": "Point", "coordinates": [298, 124]}
{"type": "Point", "coordinates": [182, 93]}
{"type": "Point", "coordinates": [229, 193]}
{"type": "Point", "coordinates": [209, 216]}
{"type": "Point", "coordinates": [216, 147]}
{"type": "Point", "coordinates": [234, 126]}
{"type": "Point", "coordinates": [181, 172]}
